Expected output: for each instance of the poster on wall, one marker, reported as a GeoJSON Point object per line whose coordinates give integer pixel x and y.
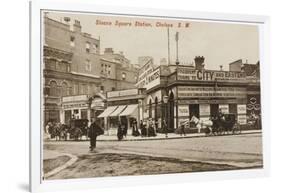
{"type": "Point", "coordinates": [117, 83]}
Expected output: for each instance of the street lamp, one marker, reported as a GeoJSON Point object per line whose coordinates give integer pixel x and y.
{"type": "Point", "coordinates": [165, 126]}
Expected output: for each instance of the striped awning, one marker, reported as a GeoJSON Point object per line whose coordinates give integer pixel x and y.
{"type": "Point", "coordinates": [107, 111]}
{"type": "Point", "coordinates": [117, 111]}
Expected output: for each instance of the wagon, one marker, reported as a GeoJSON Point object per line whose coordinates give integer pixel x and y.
{"type": "Point", "coordinates": [78, 128]}
{"type": "Point", "coordinates": [228, 124]}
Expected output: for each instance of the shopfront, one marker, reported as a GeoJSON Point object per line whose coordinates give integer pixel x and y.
{"type": "Point", "coordinates": [81, 107]}
{"type": "Point", "coordinates": [123, 107]}
{"type": "Point", "coordinates": [200, 93]}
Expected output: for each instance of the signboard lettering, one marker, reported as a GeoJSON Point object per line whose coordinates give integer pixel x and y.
{"type": "Point", "coordinates": [183, 111]}
{"type": "Point", "coordinates": [209, 75]}
{"type": "Point", "coordinates": [195, 91]}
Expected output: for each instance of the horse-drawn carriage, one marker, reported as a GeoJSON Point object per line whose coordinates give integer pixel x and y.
{"type": "Point", "coordinates": [218, 125]}
{"type": "Point", "coordinates": [78, 128]}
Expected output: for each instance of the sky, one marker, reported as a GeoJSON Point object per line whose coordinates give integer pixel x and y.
{"type": "Point", "coordinates": [220, 43]}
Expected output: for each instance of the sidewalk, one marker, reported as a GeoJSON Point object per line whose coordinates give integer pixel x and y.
{"type": "Point", "coordinates": [161, 136]}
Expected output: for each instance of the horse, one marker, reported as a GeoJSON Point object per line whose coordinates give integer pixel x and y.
{"type": "Point", "coordinates": [203, 124]}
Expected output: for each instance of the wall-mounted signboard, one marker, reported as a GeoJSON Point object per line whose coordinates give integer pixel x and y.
{"type": "Point", "coordinates": [188, 74]}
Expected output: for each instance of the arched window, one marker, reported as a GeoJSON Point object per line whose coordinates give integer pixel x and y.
{"type": "Point", "coordinates": [150, 109]}
{"type": "Point", "coordinates": [53, 88]}
{"type": "Point", "coordinates": [64, 89]}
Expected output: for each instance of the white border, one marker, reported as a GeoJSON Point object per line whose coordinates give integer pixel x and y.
{"type": "Point", "coordinates": [35, 112]}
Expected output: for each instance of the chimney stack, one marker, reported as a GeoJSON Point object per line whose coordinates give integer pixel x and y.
{"type": "Point", "coordinates": [77, 26]}
{"type": "Point", "coordinates": [199, 62]}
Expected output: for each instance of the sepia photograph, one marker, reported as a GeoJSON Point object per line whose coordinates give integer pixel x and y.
{"type": "Point", "coordinates": [128, 95]}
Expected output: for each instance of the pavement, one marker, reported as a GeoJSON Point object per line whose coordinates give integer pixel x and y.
{"type": "Point", "coordinates": [159, 136]}
{"type": "Point", "coordinates": [163, 136]}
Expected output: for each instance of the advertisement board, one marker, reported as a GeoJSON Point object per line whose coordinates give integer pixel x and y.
{"type": "Point", "coordinates": [225, 92]}
{"type": "Point", "coordinates": [183, 110]}
{"type": "Point", "coordinates": [188, 74]}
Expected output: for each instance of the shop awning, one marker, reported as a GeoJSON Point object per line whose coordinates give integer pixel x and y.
{"type": "Point", "coordinates": [107, 111]}
{"type": "Point", "coordinates": [130, 110]}
{"type": "Point", "coordinates": [117, 111]}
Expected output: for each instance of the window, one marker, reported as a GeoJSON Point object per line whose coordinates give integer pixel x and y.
{"type": "Point", "coordinates": [75, 89]}
{"type": "Point", "coordinates": [113, 88]}
{"type": "Point", "coordinates": [109, 69]}
{"type": "Point", "coordinates": [64, 89]}
{"type": "Point", "coordinates": [72, 41]}
{"type": "Point", "coordinates": [88, 47]}
{"type": "Point", "coordinates": [123, 76]}
{"type": "Point", "coordinates": [53, 88]}
{"type": "Point", "coordinates": [95, 48]}
{"type": "Point", "coordinates": [88, 65]}
{"type": "Point", "coordinates": [102, 88]}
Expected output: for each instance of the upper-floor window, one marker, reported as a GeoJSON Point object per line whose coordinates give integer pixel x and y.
{"type": "Point", "coordinates": [88, 65]}
{"type": "Point", "coordinates": [123, 76]}
{"type": "Point", "coordinates": [54, 91]}
{"type": "Point", "coordinates": [102, 88]}
{"type": "Point", "coordinates": [88, 45]}
{"type": "Point", "coordinates": [72, 41]}
{"type": "Point", "coordinates": [95, 48]}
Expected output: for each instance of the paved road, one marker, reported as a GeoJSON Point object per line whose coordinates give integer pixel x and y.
{"type": "Point", "coordinates": [236, 150]}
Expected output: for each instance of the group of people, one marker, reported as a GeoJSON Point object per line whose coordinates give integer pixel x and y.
{"type": "Point", "coordinates": [57, 131]}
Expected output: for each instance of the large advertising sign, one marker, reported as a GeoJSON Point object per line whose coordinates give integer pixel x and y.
{"type": "Point", "coordinates": [148, 77]}
{"type": "Point", "coordinates": [209, 75]}
{"type": "Point", "coordinates": [197, 92]}
{"type": "Point", "coordinates": [183, 110]}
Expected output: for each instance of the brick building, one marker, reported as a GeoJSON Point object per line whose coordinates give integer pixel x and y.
{"type": "Point", "coordinates": [74, 68]}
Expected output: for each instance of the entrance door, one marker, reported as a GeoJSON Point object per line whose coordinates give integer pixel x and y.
{"type": "Point", "coordinates": [214, 109]}
{"type": "Point", "coordinates": [194, 110]}
{"type": "Point", "coordinates": [233, 108]}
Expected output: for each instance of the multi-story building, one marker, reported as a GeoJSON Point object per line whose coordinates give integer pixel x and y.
{"type": "Point", "coordinates": [75, 77]}
{"type": "Point", "coordinates": [117, 71]}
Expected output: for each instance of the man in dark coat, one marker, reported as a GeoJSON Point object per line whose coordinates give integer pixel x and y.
{"type": "Point", "coordinates": [94, 131]}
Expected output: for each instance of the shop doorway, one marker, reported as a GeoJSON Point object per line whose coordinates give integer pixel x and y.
{"type": "Point", "coordinates": [214, 110]}
{"type": "Point", "coordinates": [233, 108]}
{"type": "Point", "coordinates": [67, 116]}
{"type": "Point", "coordinates": [84, 114]}
{"type": "Point", "coordinates": [194, 111]}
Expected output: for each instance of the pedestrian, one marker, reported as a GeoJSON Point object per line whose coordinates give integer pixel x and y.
{"type": "Point", "coordinates": [165, 128]}
{"type": "Point", "coordinates": [124, 129]}
{"type": "Point", "coordinates": [94, 131]}
{"type": "Point", "coordinates": [135, 128]}
{"type": "Point", "coordinates": [182, 127]}
{"type": "Point", "coordinates": [119, 132]}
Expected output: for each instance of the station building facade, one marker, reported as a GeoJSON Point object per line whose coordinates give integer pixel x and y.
{"type": "Point", "coordinates": [175, 93]}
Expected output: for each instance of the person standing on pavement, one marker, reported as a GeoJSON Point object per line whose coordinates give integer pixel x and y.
{"type": "Point", "coordinates": [165, 128]}
{"type": "Point", "coordinates": [119, 132]}
{"type": "Point", "coordinates": [94, 131]}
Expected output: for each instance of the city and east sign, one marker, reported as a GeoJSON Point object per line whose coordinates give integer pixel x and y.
{"type": "Point", "coordinates": [209, 75]}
